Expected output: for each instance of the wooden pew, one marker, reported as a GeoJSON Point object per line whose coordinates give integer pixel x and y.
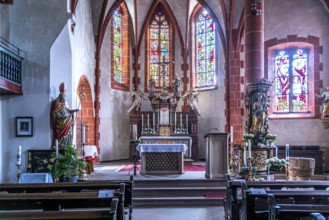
{"type": "Point", "coordinates": [110, 214]}
{"type": "Point", "coordinates": [233, 199]}
{"type": "Point", "coordinates": [77, 187]}
{"type": "Point", "coordinates": [282, 204]}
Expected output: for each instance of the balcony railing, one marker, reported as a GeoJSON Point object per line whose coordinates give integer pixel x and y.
{"type": "Point", "coordinates": [10, 68]}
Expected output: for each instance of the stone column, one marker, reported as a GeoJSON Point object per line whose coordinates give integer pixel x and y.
{"type": "Point", "coordinates": [254, 40]}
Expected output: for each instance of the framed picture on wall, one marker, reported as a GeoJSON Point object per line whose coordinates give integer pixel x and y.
{"type": "Point", "coordinates": [24, 126]}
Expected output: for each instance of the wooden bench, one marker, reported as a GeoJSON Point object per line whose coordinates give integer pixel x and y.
{"type": "Point", "coordinates": [123, 192]}
{"type": "Point", "coordinates": [45, 205]}
{"type": "Point", "coordinates": [233, 199]}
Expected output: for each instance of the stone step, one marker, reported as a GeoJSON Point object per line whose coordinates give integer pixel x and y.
{"type": "Point", "coordinates": [178, 191]}
{"type": "Point", "coordinates": [177, 201]}
{"type": "Point", "coordinates": [180, 183]}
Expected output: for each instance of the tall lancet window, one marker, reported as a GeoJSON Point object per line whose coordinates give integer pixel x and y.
{"type": "Point", "coordinates": [291, 81]}
{"type": "Point", "coordinates": [159, 46]}
{"type": "Point", "coordinates": [205, 51]}
{"type": "Point", "coordinates": [117, 45]}
{"type": "Point", "coordinates": [119, 26]}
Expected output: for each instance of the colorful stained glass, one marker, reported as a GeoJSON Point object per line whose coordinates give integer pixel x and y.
{"type": "Point", "coordinates": [117, 45]}
{"type": "Point", "coordinates": [205, 50]}
{"type": "Point", "coordinates": [159, 47]}
{"type": "Point", "coordinates": [291, 81]}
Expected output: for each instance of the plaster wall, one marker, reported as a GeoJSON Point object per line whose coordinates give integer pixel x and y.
{"type": "Point", "coordinates": [282, 18]}
{"type": "Point", "coordinates": [114, 122]}
{"type": "Point", "coordinates": [30, 26]}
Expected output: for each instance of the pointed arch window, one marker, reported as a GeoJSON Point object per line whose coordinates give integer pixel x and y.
{"type": "Point", "coordinates": [159, 48]}
{"type": "Point", "coordinates": [204, 51]}
{"type": "Point", "coordinates": [291, 81]}
{"type": "Point", "coordinates": [120, 78]}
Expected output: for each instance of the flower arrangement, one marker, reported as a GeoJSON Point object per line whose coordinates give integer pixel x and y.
{"type": "Point", "coordinates": [247, 137]}
{"type": "Point", "coordinates": [276, 164]}
{"type": "Point", "coordinates": [270, 137]}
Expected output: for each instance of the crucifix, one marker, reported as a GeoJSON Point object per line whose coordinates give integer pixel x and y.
{"type": "Point", "coordinates": [163, 70]}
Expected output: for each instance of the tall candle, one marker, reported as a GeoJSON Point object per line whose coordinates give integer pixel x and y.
{"type": "Point", "coordinates": [249, 148]}
{"type": "Point", "coordinates": [287, 152]}
{"type": "Point", "coordinates": [276, 152]}
{"type": "Point", "coordinates": [19, 155]}
{"type": "Point", "coordinates": [142, 122]}
{"type": "Point", "coordinates": [83, 134]}
{"type": "Point", "coordinates": [56, 146]}
{"type": "Point", "coordinates": [148, 121]}
{"type": "Point", "coordinates": [153, 121]}
{"type": "Point", "coordinates": [244, 156]}
{"type": "Point", "coordinates": [181, 120]}
{"type": "Point", "coordinates": [231, 131]}
{"type": "Point", "coordinates": [175, 120]}
{"type": "Point", "coordinates": [186, 122]}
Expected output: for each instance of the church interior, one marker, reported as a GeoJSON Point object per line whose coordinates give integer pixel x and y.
{"type": "Point", "coordinates": [252, 73]}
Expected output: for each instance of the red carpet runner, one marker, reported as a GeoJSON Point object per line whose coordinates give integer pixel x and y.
{"type": "Point", "coordinates": [187, 167]}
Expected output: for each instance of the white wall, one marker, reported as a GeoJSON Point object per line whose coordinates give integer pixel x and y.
{"type": "Point", "coordinates": [32, 26]}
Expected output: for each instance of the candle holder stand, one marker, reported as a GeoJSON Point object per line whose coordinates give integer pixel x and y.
{"type": "Point", "coordinates": [18, 172]}
{"type": "Point", "coordinates": [84, 175]}
{"type": "Point", "coordinates": [250, 176]}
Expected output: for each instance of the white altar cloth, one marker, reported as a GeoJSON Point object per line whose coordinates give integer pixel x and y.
{"type": "Point", "coordinates": [159, 148]}
{"type": "Point", "coordinates": [166, 139]}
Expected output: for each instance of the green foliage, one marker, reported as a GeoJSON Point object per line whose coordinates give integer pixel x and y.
{"type": "Point", "coordinates": [67, 164]}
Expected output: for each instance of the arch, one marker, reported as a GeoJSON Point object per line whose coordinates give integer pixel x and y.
{"type": "Point", "coordinates": [85, 116]}
{"type": "Point", "coordinates": [172, 18]}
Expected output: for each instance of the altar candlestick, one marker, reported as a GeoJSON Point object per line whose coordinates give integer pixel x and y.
{"type": "Point", "coordinates": [56, 146]}
{"type": "Point", "coordinates": [175, 120]}
{"type": "Point", "coordinates": [153, 121]}
{"type": "Point", "coordinates": [142, 122]}
{"type": "Point", "coordinates": [186, 122]}
{"type": "Point", "coordinates": [181, 120]}
{"type": "Point", "coordinates": [19, 155]}
{"type": "Point", "coordinates": [287, 152]}
{"type": "Point", "coordinates": [148, 120]}
{"type": "Point", "coordinates": [231, 131]}
{"type": "Point", "coordinates": [249, 148]}
{"type": "Point", "coordinates": [83, 134]}
{"type": "Point", "coordinates": [244, 156]}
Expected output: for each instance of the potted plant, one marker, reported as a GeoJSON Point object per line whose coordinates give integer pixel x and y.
{"type": "Point", "coordinates": [67, 167]}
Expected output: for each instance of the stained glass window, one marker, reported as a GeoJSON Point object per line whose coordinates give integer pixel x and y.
{"type": "Point", "coordinates": [291, 81]}
{"type": "Point", "coordinates": [159, 48]}
{"type": "Point", "coordinates": [205, 50]}
{"type": "Point", "coordinates": [117, 45]}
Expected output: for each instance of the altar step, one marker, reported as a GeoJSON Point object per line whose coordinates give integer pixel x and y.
{"type": "Point", "coordinates": [179, 192]}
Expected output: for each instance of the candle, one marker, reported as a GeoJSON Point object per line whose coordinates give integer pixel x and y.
{"type": "Point", "coordinates": [231, 131]}
{"type": "Point", "coordinates": [244, 156]}
{"type": "Point", "coordinates": [181, 120]}
{"type": "Point", "coordinates": [83, 134]}
{"type": "Point", "coordinates": [148, 121]}
{"type": "Point", "coordinates": [142, 122]}
{"type": "Point", "coordinates": [276, 151]}
{"type": "Point", "coordinates": [175, 120]}
{"type": "Point", "coordinates": [56, 146]}
{"type": "Point", "coordinates": [287, 152]}
{"type": "Point", "coordinates": [186, 122]}
{"type": "Point", "coordinates": [153, 121]}
{"type": "Point", "coordinates": [249, 148]}
{"type": "Point", "coordinates": [19, 155]}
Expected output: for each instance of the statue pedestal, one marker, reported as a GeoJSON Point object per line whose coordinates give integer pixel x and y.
{"type": "Point", "coordinates": [216, 155]}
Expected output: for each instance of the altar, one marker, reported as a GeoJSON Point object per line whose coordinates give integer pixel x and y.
{"type": "Point", "coordinates": [186, 140]}
{"type": "Point", "coordinates": [162, 158]}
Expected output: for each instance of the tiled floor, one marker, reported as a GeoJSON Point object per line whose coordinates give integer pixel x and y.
{"type": "Point", "coordinates": [107, 170]}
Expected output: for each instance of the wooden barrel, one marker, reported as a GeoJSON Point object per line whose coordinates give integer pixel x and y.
{"type": "Point", "coordinates": [301, 168]}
